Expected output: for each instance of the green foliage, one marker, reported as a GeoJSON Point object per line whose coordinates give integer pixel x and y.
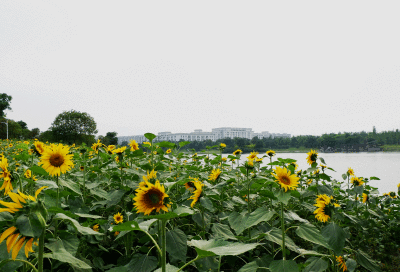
{"type": "Point", "coordinates": [74, 127]}
{"type": "Point", "coordinates": [5, 101]}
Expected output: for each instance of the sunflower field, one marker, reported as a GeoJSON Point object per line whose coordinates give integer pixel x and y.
{"type": "Point", "coordinates": [159, 207]}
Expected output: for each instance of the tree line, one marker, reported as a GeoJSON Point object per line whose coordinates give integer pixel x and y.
{"type": "Point", "coordinates": [335, 141]}
{"type": "Point", "coordinates": [79, 127]}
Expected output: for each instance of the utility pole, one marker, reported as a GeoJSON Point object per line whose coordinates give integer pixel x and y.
{"type": "Point", "coordinates": [7, 127]}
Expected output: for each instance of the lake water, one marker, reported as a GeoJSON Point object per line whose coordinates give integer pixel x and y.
{"type": "Point", "coordinates": [383, 165]}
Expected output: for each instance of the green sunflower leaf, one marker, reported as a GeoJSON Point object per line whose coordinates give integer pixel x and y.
{"type": "Point", "coordinates": [335, 236]}
{"type": "Point", "coordinates": [220, 247]}
{"type": "Point", "coordinates": [78, 227]}
{"type": "Point", "coordinates": [316, 265]}
{"type": "Point", "coordinates": [365, 260]}
{"type": "Point", "coordinates": [177, 244]}
{"type": "Point", "coordinates": [240, 222]}
{"type": "Point", "coordinates": [311, 233]}
{"type": "Point", "coordinates": [283, 266]}
{"type": "Point", "coordinates": [150, 136]}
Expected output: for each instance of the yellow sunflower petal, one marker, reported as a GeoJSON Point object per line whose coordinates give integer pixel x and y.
{"type": "Point", "coordinates": [17, 247]}
{"type": "Point", "coordinates": [16, 198]}
{"type": "Point", "coordinates": [11, 240]}
{"type": "Point", "coordinates": [28, 247]}
{"type": "Point", "coordinates": [11, 205]}
{"type": "Point", "coordinates": [39, 190]}
{"type": "Point", "coordinates": [6, 233]}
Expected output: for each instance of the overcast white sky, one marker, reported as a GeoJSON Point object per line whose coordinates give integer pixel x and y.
{"type": "Point", "coordinates": [298, 67]}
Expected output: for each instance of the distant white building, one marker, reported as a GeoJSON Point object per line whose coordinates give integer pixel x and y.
{"type": "Point", "coordinates": [200, 135]}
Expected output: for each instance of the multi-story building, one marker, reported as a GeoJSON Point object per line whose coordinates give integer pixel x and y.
{"type": "Point", "coordinates": [200, 135]}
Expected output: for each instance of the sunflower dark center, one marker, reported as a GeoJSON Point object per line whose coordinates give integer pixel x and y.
{"type": "Point", "coordinates": [56, 160]}
{"type": "Point", "coordinates": [154, 198]}
{"type": "Point", "coordinates": [285, 180]}
{"type": "Point", "coordinates": [314, 157]}
{"type": "Point", "coordinates": [328, 210]}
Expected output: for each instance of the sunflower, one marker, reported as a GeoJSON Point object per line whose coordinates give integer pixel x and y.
{"type": "Point", "coordinates": [152, 176]}
{"type": "Point", "coordinates": [28, 174]}
{"type": "Point", "coordinates": [270, 153]}
{"type": "Point", "coordinates": [118, 218]}
{"type": "Point", "coordinates": [168, 151]}
{"type": "Point", "coordinates": [312, 157]}
{"type": "Point", "coordinates": [197, 192]}
{"type": "Point", "coordinates": [341, 263]}
{"type": "Point", "coordinates": [325, 208]}
{"type": "Point", "coordinates": [134, 145]}
{"type": "Point", "coordinates": [252, 156]}
{"type": "Point", "coordinates": [39, 147]}
{"type": "Point", "coordinates": [238, 151]}
{"type": "Point", "coordinates": [190, 186]}
{"type": "Point", "coordinates": [96, 146]}
{"type": "Point", "coordinates": [222, 145]}
{"type": "Point", "coordinates": [150, 198]}
{"type": "Point", "coordinates": [81, 168]}
{"type": "Point", "coordinates": [324, 198]}
{"type": "Point", "coordinates": [259, 160]}
{"type": "Point", "coordinates": [146, 143]}
{"type": "Point", "coordinates": [6, 175]}
{"type": "Point", "coordinates": [119, 151]}
{"type": "Point", "coordinates": [294, 165]}
{"type": "Point", "coordinates": [14, 206]}
{"type": "Point", "coordinates": [392, 195]}
{"type": "Point", "coordinates": [96, 227]}
{"type": "Point", "coordinates": [110, 149]}
{"type": "Point", "coordinates": [365, 197]}
{"type": "Point", "coordinates": [215, 174]}
{"type": "Point", "coordinates": [16, 241]}
{"type": "Point", "coordinates": [249, 164]}
{"type": "Point", "coordinates": [224, 159]}
{"type": "Point", "coordinates": [350, 172]}
{"type": "Point", "coordinates": [285, 179]}
{"type": "Point", "coordinates": [356, 181]}
{"type": "Point", "coordinates": [56, 160]}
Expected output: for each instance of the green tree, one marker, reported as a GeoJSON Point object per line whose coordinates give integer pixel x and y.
{"type": "Point", "coordinates": [22, 124]}
{"type": "Point", "coordinates": [34, 133]}
{"type": "Point", "coordinates": [111, 138]}
{"type": "Point", "coordinates": [5, 101]}
{"type": "Point", "coordinates": [74, 127]}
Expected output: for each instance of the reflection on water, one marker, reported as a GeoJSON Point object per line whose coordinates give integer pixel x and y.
{"type": "Point", "coordinates": [378, 164]}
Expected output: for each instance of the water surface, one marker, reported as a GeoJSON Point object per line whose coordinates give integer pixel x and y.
{"type": "Point", "coordinates": [384, 165]}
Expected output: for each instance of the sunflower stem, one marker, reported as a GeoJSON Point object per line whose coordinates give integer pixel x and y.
{"type": "Point", "coordinates": [163, 245]}
{"type": "Point", "coordinates": [186, 264]}
{"type": "Point", "coordinates": [58, 190]}
{"type": "Point", "coordinates": [84, 177]}
{"type": "Point", "coordinates": [155, 243]}
{"type": "Point", "coordinates": [283, 233]}
{"type": "Point", "coordinates": [204, 224]}
{"type": "Point", "coordinates": [41, 252]}
{"type": "Point", "coordinates": [355, 200]}
{"type": "Point", "coordinates": [219, 263]}
{"type": "Point", "coordinates": [248, 191]}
